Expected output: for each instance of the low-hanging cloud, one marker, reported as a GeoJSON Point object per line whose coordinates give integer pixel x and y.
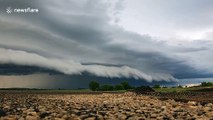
{"type": "Point", "coordinates": [70, 67]}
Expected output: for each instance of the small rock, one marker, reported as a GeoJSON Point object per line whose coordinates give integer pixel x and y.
{"type": "Point", "coordinates": [100, 117]}
{"type": "Point", "coordinates": [102, 113]}
{"type": "Point", "coordinates": [209, 105]}
{"type": "Point", "coordinates": [65, 117]}
{"type": "Point", "coordinates": [2, 113]}
{"type": "Point", "coordinates": [121, 117]}
{"type": "Point", "coordinates": [59, 119]}
{"type": "Point", "coordinates": [209, 114]}
{"type": "Point", "coordinates": [138, 111]}
{"type": "Point", "coordinates": [31, 117]}
{"type": "Point", "coordinates": [192, 103]}
{"type": "Point", "coordinates": [153, 115]}
{"type": "Point", "coordinates": [90, 118]}
{"type": "Point", "coordinates": [32, 113]}
{"type": "Point", "coordinates": [8, 118]}
{"type": "Point", "coordinates": [163, 107]}
{"type": "Point", "coordinates": [44, 114]}
{"type": "Point", "coordinates": [21, 118]}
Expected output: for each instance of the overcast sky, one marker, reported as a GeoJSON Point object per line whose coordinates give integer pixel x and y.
{"type": "Point", "coordinates": [145, 39]}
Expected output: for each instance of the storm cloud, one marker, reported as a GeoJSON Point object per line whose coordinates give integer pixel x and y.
{"type": "Point", "coordinates": [76, 36]}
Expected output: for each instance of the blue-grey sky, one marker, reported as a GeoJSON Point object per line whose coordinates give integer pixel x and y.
{"type": "Point", "coordinates": [144, 39]}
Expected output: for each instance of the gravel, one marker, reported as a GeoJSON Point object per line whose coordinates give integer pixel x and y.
{"type": "Point", "coordinates": [99, 107]}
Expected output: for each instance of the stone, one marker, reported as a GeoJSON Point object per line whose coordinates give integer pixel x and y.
{"type": "Point", "coordinates": [138, 111]}
{"type": "Point", "coordinates": [32, 113]}
{"type": "Point", "coordinates": [192, 103]}
{"type": "Point", "coordinates": [90, 118]}
{"type": "Point", "coordinates": [44, 114]}
{"type": "Point", "coordinates": [59, 119]}
{"type": "Point", "coordinates": [153, 115]}
{"type": "Point", "coordinates": [29, 117]}
{"type": "Point", "coordinates": [2, 113]}
{"type": "Point", "coordinates": [209, 105]}
{"type": "Point", "coordinates": [100, 117]}
{"type": "Point", "coordinates": [122, 117]}
{"type": "Point", "coordinates": [8, 118]}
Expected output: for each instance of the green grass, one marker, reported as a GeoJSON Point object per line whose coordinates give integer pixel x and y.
{"type": "Point", "coordinates": [164, 90]}
{"type": "Point", "coordinates": [177, 89]}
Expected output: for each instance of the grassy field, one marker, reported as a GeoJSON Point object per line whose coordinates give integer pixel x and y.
{"type": "Point", "coordinates": [200, 94]}
{"type": "Point", "coordinates": [179, 89]}
{"type": "Point", "coordinates": [163, 90]}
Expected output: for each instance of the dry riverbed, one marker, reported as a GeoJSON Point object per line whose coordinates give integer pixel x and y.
{"type": "Point", "coordinates": [108, 106]}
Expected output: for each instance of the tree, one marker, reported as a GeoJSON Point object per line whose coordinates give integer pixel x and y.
{"type": "Point", "coordinates": [107, 88]}
{"type": "Point", "coordinates": [179, 86]}
{"type": "Point", "coordinates": [143, 89]}
{"type": "Point", "coordinates": [93, 85]}
{"type": "Point", "coordinates": [156, 86]}
{"type": "Point", "coordinates": [126, 85]}
{"type": "Point", "coordinates": [119, 87]}
{"type": "Point", "coordinates": [206, 84]}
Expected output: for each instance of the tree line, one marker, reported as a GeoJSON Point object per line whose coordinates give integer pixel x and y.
{"type": "Point", "coordinates": [95, 86]}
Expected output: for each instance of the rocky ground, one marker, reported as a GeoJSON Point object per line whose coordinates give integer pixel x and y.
{"type": "Point", "coordinates": [108, 106]}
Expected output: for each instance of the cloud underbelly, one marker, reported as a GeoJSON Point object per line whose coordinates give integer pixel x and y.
{"type": "Point", "coordinates": [70, 67]}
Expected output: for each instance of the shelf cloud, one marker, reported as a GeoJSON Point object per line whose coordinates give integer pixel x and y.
{"type": "Point", "coordinates": [71, 67]}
